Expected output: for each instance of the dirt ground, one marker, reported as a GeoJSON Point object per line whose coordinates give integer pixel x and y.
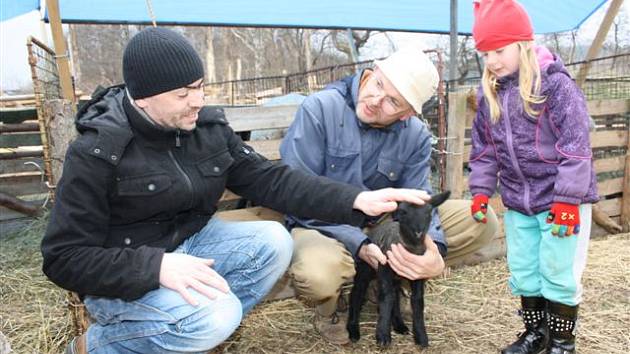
{"type": "Point", "coordinates": [470, 311]}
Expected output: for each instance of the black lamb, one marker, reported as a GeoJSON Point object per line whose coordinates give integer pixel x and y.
{"type": "Point", "coordinates": [410, 231]}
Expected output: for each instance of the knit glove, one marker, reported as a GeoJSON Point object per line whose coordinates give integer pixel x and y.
{"type": "Point", "coordinates": [565, 219]}
{"type": "Point", "coordinates": [479, 208]}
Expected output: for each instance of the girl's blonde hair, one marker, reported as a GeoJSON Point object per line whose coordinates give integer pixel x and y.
{"type": "Point", "coordinates": [528, 83]}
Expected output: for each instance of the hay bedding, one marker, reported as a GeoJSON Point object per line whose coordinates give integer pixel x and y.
{"type": "Point", "coordinates": [470, 311]}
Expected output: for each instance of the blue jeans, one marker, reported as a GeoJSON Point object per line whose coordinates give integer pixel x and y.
{"type": "Point", "coordinates": [542, 264]}
{"type": "Point", "coordinates": [251, 256]}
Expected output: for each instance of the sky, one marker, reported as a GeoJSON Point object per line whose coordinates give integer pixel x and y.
{"type": "Point", "coordinates": [15, 72]}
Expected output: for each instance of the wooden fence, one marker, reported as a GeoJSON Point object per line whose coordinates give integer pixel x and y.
{"type": "Point", "coordinates": [610, 142]}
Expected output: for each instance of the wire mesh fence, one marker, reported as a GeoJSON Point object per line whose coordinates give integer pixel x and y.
{"type": "Point", "coordinates": [44, 72]}
{"type": "Point", "coordinates": [257, 91]}
{"type": "Point", "coordinates": [46, 87]}
{"type": "Point", "coordinates": [608, 77]}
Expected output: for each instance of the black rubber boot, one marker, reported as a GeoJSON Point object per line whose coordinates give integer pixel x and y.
{"type": "Point", "coordinates": [562, 325]}
{"type": "Point", "coordinates": [534, 339]}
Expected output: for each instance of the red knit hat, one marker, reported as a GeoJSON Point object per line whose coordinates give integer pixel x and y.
{"type": "Point", "coordinates": [499, 23]}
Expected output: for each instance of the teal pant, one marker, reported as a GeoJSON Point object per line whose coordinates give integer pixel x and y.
{"type": "Point", "coordinates": [542, 264]}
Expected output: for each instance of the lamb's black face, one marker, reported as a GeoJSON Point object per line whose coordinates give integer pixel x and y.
{"type": "Point", "coordinates": [415, 219]}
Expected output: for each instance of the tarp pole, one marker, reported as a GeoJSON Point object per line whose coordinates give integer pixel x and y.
{"type": "Point", "coordinates": [62, 56]}
{"type": "Point", "coordinates": [604, 27]}
{"type": "Point", "coordinates": [452, 64]}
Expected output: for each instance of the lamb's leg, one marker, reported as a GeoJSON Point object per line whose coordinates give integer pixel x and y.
{"type": "Point", "coordinates": [417, 305]}
{"type": "Point", "coordinates": [362, 279]}
{"type": "Point", "coordinates": [386, 298]}
{"type": "Point", "coordinates": [398, 324]}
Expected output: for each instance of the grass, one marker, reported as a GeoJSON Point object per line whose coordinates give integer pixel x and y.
{"type": "Point", "coordinates": [470, 311]}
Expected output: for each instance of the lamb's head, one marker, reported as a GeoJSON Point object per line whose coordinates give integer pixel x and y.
{"type": "Point", "coordinates": [415, 221]}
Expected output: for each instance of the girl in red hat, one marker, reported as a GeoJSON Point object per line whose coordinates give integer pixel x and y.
{"type": "Point", "coordinates": [531, 135]}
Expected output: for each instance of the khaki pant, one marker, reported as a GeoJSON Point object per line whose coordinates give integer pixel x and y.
{"type": "Point", "coordinates": [321, 264]}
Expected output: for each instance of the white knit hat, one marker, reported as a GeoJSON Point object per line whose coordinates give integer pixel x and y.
{"type": "Point", "coordinates": [413, 74]}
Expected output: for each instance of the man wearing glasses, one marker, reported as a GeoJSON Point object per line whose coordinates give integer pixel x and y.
{"type": "Point", "coordinates": [363, 130]}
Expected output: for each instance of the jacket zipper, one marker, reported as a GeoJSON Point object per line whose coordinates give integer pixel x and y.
{"type": "Point", "coordinates": [189, 184]}
{"type": "Point", "coordinates": [510, 146]}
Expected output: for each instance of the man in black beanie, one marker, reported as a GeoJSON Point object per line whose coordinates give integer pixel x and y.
{"type": "Point", "coordinates": [132, 230]}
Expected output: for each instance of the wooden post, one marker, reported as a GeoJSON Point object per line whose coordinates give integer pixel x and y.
{"type": "Point", "coordinates": [455, 143]}
{"type": "Point", "coordinates": [61, 131]}
{"type": "Point", "coordinates": [62, 57]}
{"type": "Point", "coordinates": [625, 201]}
{"type": "Point", "coordinates": [598, 41]}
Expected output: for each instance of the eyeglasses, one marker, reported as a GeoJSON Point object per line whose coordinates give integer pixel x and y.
{"type": "Point", "coordinates": [390, 105]}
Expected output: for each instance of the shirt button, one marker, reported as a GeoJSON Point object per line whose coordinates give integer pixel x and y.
{"type": "Point", "coordinates": [113, 157]}
{"type": "Point", "coordinates": [332, 166]}
{"type": "Point", "coordinates": [392, 174]}
{"type": "Point", "coordinates": [97, 151]}
{"type": "Point", "coordinates": [151, 187]}
{"type": "Point", "coordinates": [216, 169]}
{"type": "Point", "coordinates": [127, 241]}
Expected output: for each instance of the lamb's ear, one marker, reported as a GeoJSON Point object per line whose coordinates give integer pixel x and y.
{"type": "Point", "coordinates": [440, 198]}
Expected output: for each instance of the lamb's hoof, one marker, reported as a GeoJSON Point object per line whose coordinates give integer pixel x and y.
{"type": "Point", "coordinates": [401, 328]}
{"type": "Point", "coordinates": [422, 340]}
{"type": "Point", "coordinates": [383, 340]}
{"type": "Point", "coordinates": [353, 333]}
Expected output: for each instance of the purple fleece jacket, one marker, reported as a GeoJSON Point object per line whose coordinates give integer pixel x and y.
{"type": "Point", "coordinates": [537, 161]}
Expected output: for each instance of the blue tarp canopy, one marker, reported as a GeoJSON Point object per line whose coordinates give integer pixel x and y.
{"type": "Point", "coordinates": [396, 15]}
{"type": "Point", "coordinates": [14, 8]}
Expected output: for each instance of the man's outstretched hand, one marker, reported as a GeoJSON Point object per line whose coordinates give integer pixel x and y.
{"type": "Point", "coordinates": [385, 200]}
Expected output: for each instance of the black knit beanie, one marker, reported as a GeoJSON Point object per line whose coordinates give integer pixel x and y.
{"type": "Point", "coordinates": [158, 60]}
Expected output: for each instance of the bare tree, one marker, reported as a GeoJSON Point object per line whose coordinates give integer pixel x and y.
{"type": "Point", "coordinates": [360, 38]}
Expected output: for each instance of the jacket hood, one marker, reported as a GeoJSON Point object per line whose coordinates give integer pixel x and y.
{"type": "Point", "coordinates": [548, 62]}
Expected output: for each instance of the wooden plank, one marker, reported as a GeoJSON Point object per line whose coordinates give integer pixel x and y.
{"type": "Point", "coordinates": [609, 164]}
{"type": "Point", "coordinates": [258, 118]}
{"type": "Point", "coordinates": [268, 148]}
{"type": "Point", "coordinates": [21, 165]}
{"type": "Point", "coordinates": [251, 214]}
{"type": "Point", "coordinates": [22, 183]}
{"type": "Point", "coordinates": [21, 152]}
{"type": "Point", "coordinates": [609, 138]}
{"type": "Point", "coordinates": [612, 207]}
{"type": "Point", "coordinates": [455, 143]}
{"type": "Point", "coordinates": [610, 186]}
{"type": "Point", "coordinates": [608, 107]}
{"type": "Point", "coordinates": [13, 140]}
{"type": "Point", "coordinates": [15, 115]}
{"type": "Point", "coordinates": [29, 126]}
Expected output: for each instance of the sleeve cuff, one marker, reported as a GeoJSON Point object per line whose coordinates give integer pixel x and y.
{"type": "Point", "coordinates": [442, 248]}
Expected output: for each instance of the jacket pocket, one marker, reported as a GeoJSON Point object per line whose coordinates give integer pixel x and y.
{"type": "Point", "coordinates": [216, 165]}
{"type": "Point", "coordinates": [391, 169]}
{"type": "Point", "coordinates": [137, 234]}
{"type": "Point", "coordinates": [145, 185]}
{"type": "Point", "coordinates": [339, 161]}
{"type": "Point", "coordinates": [339, 166]}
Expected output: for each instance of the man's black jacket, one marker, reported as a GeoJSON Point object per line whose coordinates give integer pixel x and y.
{"type": "Point", "coordinates": [132, 190]}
